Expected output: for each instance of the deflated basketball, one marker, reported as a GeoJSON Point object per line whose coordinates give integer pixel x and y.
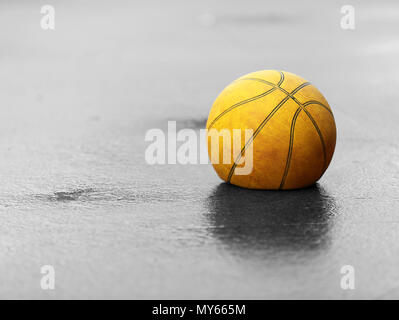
{"type": "Point", "coordinates": [292, 131]}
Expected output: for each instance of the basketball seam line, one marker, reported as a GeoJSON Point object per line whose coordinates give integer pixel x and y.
{"type": "Point", "coordinates": [292, 93]}
{"type": "Point", "coordinates": [260, 127]}
{"type": "Point", "coordinates": [281, 79]}
{"type": "Point", "coordinates": [304, 109]}
{"type": "Point", "coordinates": [320, 136]}
{"type": "Point", "coordinates": [319, 103]}
{"type": "Point", "coordinates": [274, 87]}
{"type": "Point", "coordinates": [263, 123]}
{"type": "Point", "coordinates": [291, 145]}
{"type": "Point", "coordinates": [240, 104]}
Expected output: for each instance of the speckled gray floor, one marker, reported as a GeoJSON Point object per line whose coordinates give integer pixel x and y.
{"type": "Point", "coordinates": [76, 192]}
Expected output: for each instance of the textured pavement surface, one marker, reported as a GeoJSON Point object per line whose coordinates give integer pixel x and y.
{"type": "Point", "coordinates": [76, 192]}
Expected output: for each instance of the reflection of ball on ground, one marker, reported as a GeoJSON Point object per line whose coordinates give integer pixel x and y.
{"type": "Point", "coordinates": [298, 220]}
{"type": "Point", "coordinates": [293, 130]}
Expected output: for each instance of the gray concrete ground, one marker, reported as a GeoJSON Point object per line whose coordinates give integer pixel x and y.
{"type": "Point", "coordinates": [76, 192]}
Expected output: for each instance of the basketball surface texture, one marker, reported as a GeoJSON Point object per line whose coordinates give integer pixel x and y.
{"type": "Point", "coordinates": [293, 137]}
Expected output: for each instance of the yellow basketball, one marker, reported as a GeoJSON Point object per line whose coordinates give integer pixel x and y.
{"type": "Point", "coordinates": [293, 131]}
